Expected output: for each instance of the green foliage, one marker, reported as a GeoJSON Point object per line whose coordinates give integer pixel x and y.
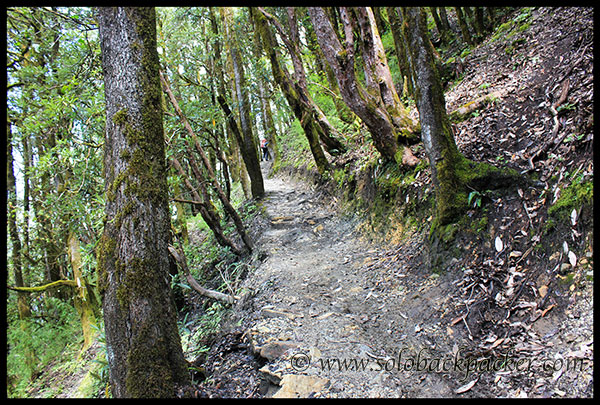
{"type": "Point", "coordinates": [475, 197]}
{"type": "Point", "coordinates": [56, 328]}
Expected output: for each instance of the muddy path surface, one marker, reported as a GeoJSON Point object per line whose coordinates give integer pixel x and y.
{"type": "Point", "coordinates": [330, 315]}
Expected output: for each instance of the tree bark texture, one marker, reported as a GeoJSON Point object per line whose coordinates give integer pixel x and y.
{"type": "Point", "coordinates": [436, 132]}
{"type": "Point", "coordinates": [297, 100]}
{"type": "Point", "coordinates": [388, 124]}
{"type": "Point", "coordinates": [144, 349]}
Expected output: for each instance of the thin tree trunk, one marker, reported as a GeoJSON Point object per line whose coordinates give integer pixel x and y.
{"type": "Point", "coordinates": [239, 225]}
{"type": "Point", "coordinates": [84, 295]}
{"type": "Point", "coordinates": [464, 28]}
{"type": "Point", "coordinates": [248, 145]}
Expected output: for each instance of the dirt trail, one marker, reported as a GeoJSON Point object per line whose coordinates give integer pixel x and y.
{"type": "Point", "coordinates": [316, 309]}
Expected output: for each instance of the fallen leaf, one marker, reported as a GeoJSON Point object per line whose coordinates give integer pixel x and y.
{"type": "Point", "coordinates": [466, 387]}
{"type": "Point", "coordinates": [572, 258]}
{"type": "Point", "coordinates": [565, 247]}
{"type": "Point", "coordinates": [543, 290]}
{"type": "Point", "coordinates": [499, 245]}
{"type": "Point", "coordinates": [515, 253]}
{"type": "Point", "coordinates": [574, 217]}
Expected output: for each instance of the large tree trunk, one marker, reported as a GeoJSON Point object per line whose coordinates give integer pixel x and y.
{"type": "Point", "coordinates": [452, 173]}
{"type": "Point", "coordinates": [143, 344]}
{"type": "Point", "coordinates": [378, 107]}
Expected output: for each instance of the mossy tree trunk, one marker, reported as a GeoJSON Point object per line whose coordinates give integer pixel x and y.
{"type": "Point", "coordinates": [436, 131]}
{"type": "Point", "coordinates": [144, 349]}
{"type": "Point", "coordinates": [464, 28]}
{"type": "Point", "coordinates": [452, 173]}
{"type": "Point", "coordinates": [84, 297]}
{"type": "Point", "coordinates": [377, 105]}
{"type": "Point", "coordinates": [401, 53]}
{"type": "Point", "coordinates": [296, 98]}
{"type": "Point", "coordinates": [438, 23]}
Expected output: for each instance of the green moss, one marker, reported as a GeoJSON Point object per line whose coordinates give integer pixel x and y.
{"type": "Point", "coordinates": [572, 197]}
{"type": "Point", "coordinates": [104, 254]}
{"type": "Point", "coordinates": [120, 117]}
{"type": "Point", "coordinates": [480, 225]}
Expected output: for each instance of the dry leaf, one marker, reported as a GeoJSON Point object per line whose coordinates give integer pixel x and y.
{"type": "Point", "coordinates": [565, 247]}
{"type": "Point", "coordinates": [466, 387]}
{"type": "Point", "coordinates": [543, 290]}
{"type": "Point", "coordinates": [574, 217]}
{"type": "Point", "coordinates": [499, 245]}
{"type": "Point", "coordinates": [572, 259]}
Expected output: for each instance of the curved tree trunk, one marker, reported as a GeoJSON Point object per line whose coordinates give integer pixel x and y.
{"type": "Point", "coordinates": [378, 106]}
{"type": "Point", "coordinates": [297, 100]}
{"type": "Point", "coordinates": [144, 349]}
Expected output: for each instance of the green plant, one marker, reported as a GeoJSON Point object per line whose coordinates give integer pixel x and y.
{"type": "Point", "coordinates": [475, 197]}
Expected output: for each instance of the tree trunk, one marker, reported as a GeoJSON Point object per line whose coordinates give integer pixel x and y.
{"type": "Point", "coordinates": [435, 126]}
{"type": "Point", "coordinates": [452, 173]}
{"type": "Point", "coordinates": [478, 22]}
{"type": "Point", "coordinates": [144, 349]}
{"type": "Point", "coordinates": [248, 145]}
{"type": "Point", "coordinates": [464, 28]}
{"type": "Point", "coordinates": [23, 308]}
{"type": "Point", "coordinates": [444, 19]}
{"type": "Point", "coordinates": [401, 53]}
{"type": "Point", "coordinates": [438, 23]}
{"type": "Point", "coordinates": [11, 188]}
{"type": "Point", "coordinates": [296, 99]}
{"type": "Point", "coordinates": [389, 124]}
{"type": "Point", "coordinates": [84, 297]}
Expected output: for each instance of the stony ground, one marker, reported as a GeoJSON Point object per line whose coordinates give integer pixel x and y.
{"type": "Point", "coordinates": [332, 315]}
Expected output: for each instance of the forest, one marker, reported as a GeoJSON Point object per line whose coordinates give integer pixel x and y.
{"type": "Point", "coordinates": [313, 202]}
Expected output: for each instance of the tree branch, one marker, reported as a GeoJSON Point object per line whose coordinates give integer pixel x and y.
{"type": "Point", "coordinates": [179, 257]}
